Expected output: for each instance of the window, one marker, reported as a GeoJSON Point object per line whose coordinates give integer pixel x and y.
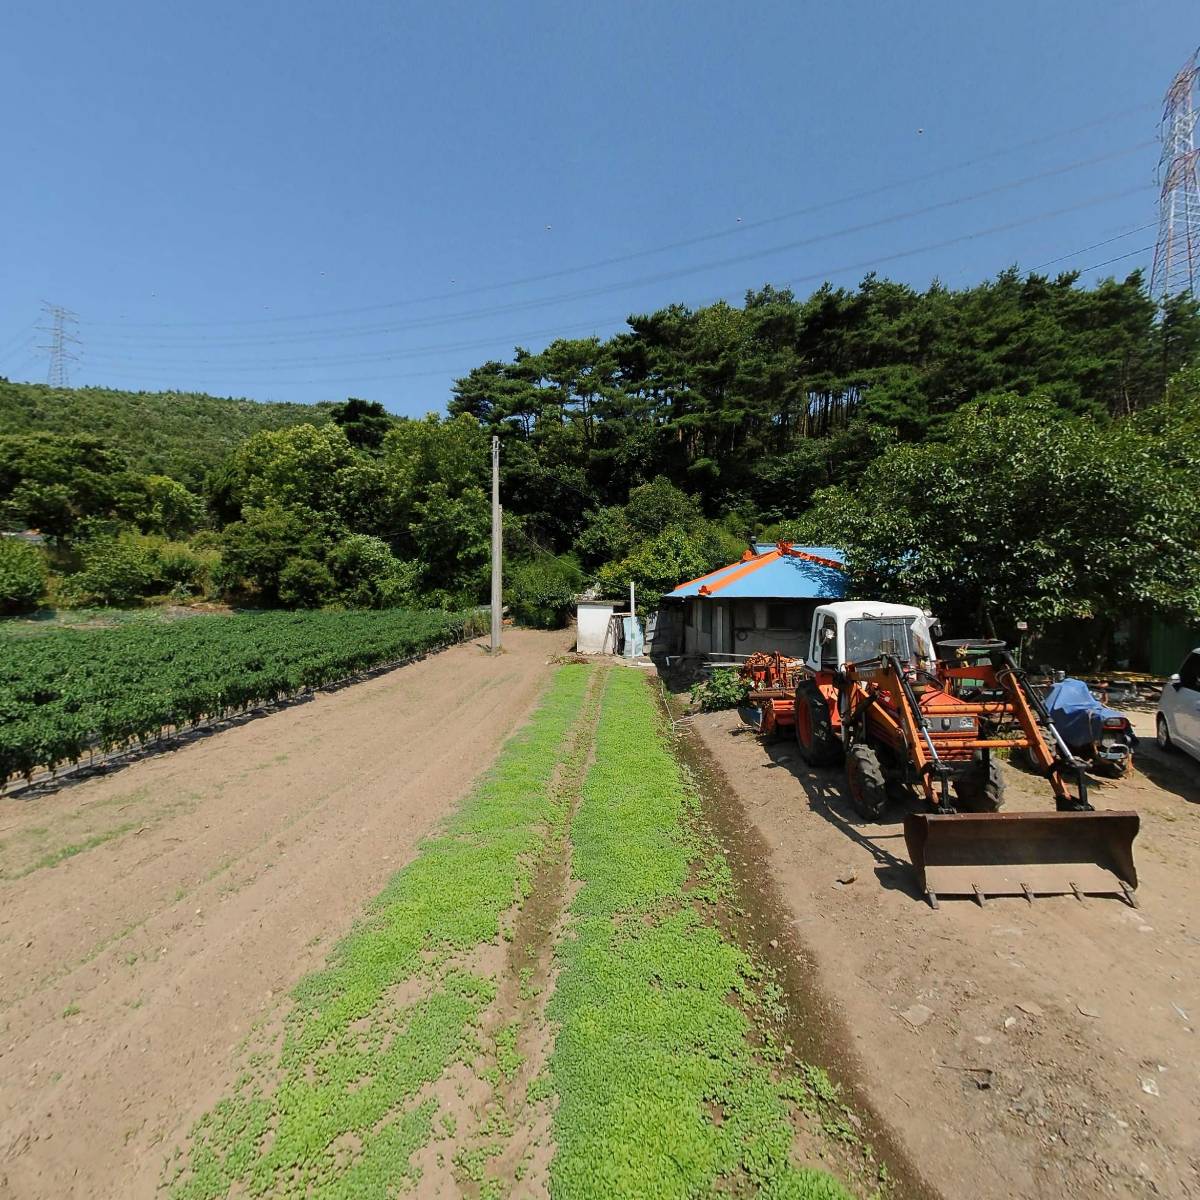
{"type": "Point", "coordinates": [1189, 673]}
{"type": "Point", "coordinates": [743, 614]}
{"type": "Point", "coordinates": [824, 647]}
{"type": "Point", "coordinates": [785, 616]}
{"type": "Point", "coordinates": [705, 618]}
{"type": "Point", "coordinates": [871, 637]}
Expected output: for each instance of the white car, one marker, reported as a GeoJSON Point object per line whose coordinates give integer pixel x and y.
{"type": "Point", "coordinates": [1177, 722]}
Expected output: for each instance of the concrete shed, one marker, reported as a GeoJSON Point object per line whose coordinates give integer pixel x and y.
{"type": "Point", "coordinates": [592, 619]}
{"type": "Point", "coordinates": [765, 601]}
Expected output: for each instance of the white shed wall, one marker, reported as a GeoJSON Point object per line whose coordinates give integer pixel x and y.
{"type": "Point", "coordinates": [591, 625]}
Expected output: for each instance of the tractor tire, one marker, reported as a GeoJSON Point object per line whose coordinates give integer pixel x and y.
{"type": "Point", "coordinates": [819, 746]}
{"type": "Point", "coordinates": [868, 787]}
{"type": "Point", "coordinates": [983, 789]}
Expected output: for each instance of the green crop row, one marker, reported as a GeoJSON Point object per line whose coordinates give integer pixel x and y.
{"type": "Point", "coordinates": [334, 1110]}
{"type": "Point", "coordinates": [66, 694]}
{"type": "Point", "coordinates": [661, 1094]}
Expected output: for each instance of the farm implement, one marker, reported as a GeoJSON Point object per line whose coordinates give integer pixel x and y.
{"type": "Point", "coordinates": [874, 695]}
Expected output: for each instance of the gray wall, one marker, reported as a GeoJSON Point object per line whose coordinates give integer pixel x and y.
{"type": "Point", "coordinates": [745, 626]}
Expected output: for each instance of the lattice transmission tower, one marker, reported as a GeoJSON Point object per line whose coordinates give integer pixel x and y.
{"type": "Point", "coordinates": [1177, 252]}
{"type": "Point", "coordinates": [60, 332]}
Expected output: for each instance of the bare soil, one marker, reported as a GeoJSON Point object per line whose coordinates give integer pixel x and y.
{"type": "Point", "coordinates": [1005, 1051]}
{"type": "Point", "coordinates": [150, 918]}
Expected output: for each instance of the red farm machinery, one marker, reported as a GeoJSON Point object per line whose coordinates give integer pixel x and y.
{"type": "Point", "coordinates": [874, 694]}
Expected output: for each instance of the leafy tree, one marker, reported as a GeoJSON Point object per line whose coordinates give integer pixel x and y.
{"type": "Point", "coordinates": [606, 536]}
{"type": "Point", "coordinates": [437, 472]}
{"type": "Point", "coordinates": [257, 549]}
{"type": "Point", "coordinates": [670, 557]}
{"type": "Point", "coordinates": [655, 505]}
{"type": "Point", "coordinates": [299, 467]}
{"type": "Point", "coordinates": [168, 507]}
{"type": "Point", "coordinates": [51, 482]}
{"type": "Point", "coordinates": [1022, 513]}
{"type": "Point", "coordinates": [23, 575]}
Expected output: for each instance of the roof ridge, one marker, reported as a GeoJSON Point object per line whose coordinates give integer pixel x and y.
{"type": "Point", "coordinates": [743, 568]}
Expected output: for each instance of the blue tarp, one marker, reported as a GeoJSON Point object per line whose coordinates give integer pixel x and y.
{"type": "Point", "coordinates": [1077, 714]}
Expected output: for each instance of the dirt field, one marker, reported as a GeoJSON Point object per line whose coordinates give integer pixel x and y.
{"type": "Point", "coordinates": [1011, 1050]}
{"type": "Point", "coordinates": [149, 917]}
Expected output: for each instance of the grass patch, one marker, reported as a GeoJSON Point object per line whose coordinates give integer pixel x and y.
{"type": "Point", "coordinates": [334, 1112]}
{"type": "Point", "coordinates": [60, 855]}
{"type": "Point", "coordinates": [661, 1092]}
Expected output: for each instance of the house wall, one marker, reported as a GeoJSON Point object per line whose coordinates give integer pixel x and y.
{"type": "Point", "coordinates": [746, 626]}
{"type": "Point", "coordinates": [591, 625]}
{"type": "Point", "coordinates": [665, 629]}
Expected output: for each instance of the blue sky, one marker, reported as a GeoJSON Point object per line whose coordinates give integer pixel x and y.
{"type": "Point", "coordinates": [305, 201]}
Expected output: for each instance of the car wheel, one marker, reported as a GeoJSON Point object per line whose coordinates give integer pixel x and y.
{"type": "Point", "coordinates": [1162, 733]}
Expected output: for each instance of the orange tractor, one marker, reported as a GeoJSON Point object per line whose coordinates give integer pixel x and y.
{"type": "Point", "coordinates": [874, 693]}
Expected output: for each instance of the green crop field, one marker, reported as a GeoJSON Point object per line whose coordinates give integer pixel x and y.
{"type": "Point", "coordinates": [540, 1002]}
{"type": "Point", "coordinates": [69, 692]}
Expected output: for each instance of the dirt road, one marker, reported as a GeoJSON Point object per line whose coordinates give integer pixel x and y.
{"type": "Point", "coordinates": [150, 917]}
{"type": "Point", "coordinates": [1013, 1050]}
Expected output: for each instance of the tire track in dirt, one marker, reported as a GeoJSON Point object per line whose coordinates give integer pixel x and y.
{"type": "Point", "coordinates": [133, 999]}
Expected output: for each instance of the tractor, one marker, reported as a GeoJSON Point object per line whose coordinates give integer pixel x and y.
{"type": "Point", "coordinates": [904, 710]}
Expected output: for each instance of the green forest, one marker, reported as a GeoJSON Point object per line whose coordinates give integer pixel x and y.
{"type": "Point", "coordinates": [1027, 448]}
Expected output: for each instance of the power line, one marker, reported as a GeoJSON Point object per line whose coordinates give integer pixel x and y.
{"type": "Point", "coordinates": [647, 252]}
{"type": "Point", "coordinates": [627, 284]}
{"type": "Point", "coordinates": [1095, 245]}
{"type": "Point", "coordinates": [1117, 258]}
{"type": "Point", "coordinates": [596, 325]}
{"type": "Point", "coordinates": [871, 263]}
{"type": "Point", "coordinates": [19, 341]}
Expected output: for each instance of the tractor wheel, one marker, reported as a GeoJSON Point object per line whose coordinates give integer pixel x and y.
{"type": "Point", "coordinates": [983, 789]}
{"type": "Point", "coordinates": [868, 788]}
{"type": "Point", "coordinates": [819, 745]}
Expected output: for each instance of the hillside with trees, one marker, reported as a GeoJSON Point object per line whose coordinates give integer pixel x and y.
{"type": "Point", "coordinates": [1023, 447]}
{"type": "Point", "coordinates": [180, 434]}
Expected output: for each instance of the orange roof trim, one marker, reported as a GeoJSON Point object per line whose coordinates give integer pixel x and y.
{"type": "Point", "coordinates": [753, 564]}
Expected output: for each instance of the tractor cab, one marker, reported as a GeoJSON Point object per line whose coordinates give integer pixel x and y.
{"type": "Point", "coordinates": [852, 631]}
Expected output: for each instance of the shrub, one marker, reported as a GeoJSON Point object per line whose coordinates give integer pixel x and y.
{"type": "Point", "coordinates": [23, 575]}
{"type": "Point", "coordinates": [725, 689]}
{"type": "Point", "coordinates": [305, 583]}
{"type": "Point", "coordinates": [542, 593]}
{"type": "Point", "coordinates": [369, 575]}
{"type": "Point", "coordinates": [116, 571]}
{"type": "Point", "coordinates": [184, 568]}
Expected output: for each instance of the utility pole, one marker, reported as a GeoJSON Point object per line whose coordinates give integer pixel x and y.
{"type": "Point", "coordinates": [60, 337]}
{"type": "Point", "coordinates": [632, 616]}
{"type": "Point", "coordinates": [497, 546]}
{"type": "Point", "coordinates": [1177, 252]}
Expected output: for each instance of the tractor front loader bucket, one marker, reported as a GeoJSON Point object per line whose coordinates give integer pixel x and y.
{"type": "Point", "coordinates": [1023, 854]}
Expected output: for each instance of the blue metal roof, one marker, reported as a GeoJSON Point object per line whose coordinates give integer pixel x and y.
{"type": "Point", "coordinates": [775, 578]}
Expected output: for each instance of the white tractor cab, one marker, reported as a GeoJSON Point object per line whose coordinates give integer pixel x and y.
{"type": "Point", "coordinates": [851, 631]}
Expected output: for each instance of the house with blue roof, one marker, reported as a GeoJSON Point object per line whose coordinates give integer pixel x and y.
{"type": "Point", "coordinates": [765, 601]}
